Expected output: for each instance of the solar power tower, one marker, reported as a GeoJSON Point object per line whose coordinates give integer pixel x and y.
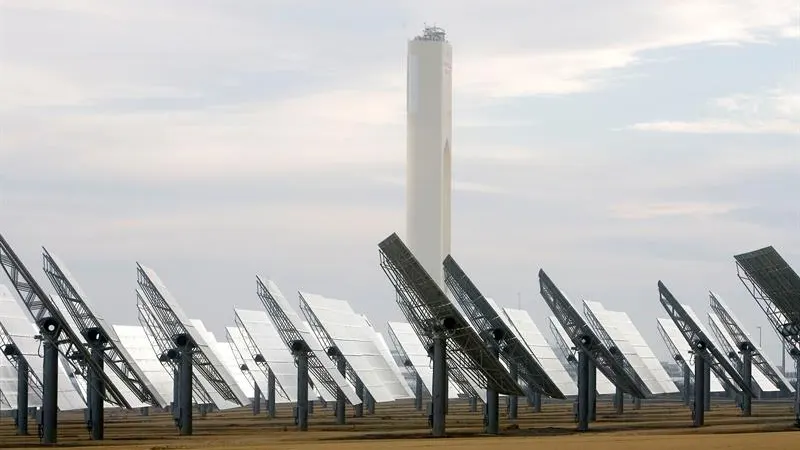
{"type": "Point", "coordinates": [705, 354]}
{"type": "Point", "coordinates": [344, 337]}
{"type": "Point", "coordinates": [271, 356]}
{"type": "Point", "coordinates": [741, 338]}
{"type": "Point", "coordinates": [592, 354]}
{"type": "Point", "coordinates": [439, 324]}
{"type": "Point", "coordinates": [307, 351]}
{"type": "Point", "coordinates": [106, 348]}
{"type": "Point", "coordinates": [169, 357]}
{"type": "Point", "coordinates": [683, 355]}
{"type": "Point", "coordinates": [566, 352]}
{"type": "Point", "coordinates": [191, 347]}
{"type": "Point", "coordinates": [775, 286]}
{"type": "Point", "coordinates": [57, 339]}
{"type": "Point", "coordinates": [614, 339]}
{"type": "Point", "coordinates": [501, 339]}
{"type": "Point", "coordinates": [416, 360]}
{"type": "Point", "coordinates": [20, 346]}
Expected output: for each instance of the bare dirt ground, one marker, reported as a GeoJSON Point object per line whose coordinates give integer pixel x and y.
{"type": "Point", "coordinates": [398, 426]}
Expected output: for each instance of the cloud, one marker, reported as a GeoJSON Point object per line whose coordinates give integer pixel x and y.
{"type": "Point", "coordinates": [658, 210]}
{"type": "Point", "coordinates": [773, 111]}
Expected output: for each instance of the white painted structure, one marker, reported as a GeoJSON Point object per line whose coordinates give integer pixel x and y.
{"type": "Point", "coordinates": [429, 109]}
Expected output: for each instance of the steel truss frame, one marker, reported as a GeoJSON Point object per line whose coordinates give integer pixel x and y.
{"type": "Point", "coordinates": [693, 334]}
{"type": "Point", "coordinates": [161, 344]}
{"type": "Point", "coordinates": [778, 278]}
{"type": "Point", "coordinates": [726, 347]}
{"type": "Point", "coordinates": [14, 356]}
{"type": "Point", "coordinates": [488, 322]}
{"type": "Point", "coordinates": [609, 343]}
{"type": "Point", "coordinates": [429, 311]}
{"type": "Point", "coordinates": [740, 337]}
{"type": "Point", "coordinates": [115, 355]}
{"type": "Point", "coordinates": [290, 334]}
{"type": "Point", "coordinates": [585, 339]}
{"type": "Point", "coordinates": [253, 349]}
{"type": "Point", "coordinates": [567, 352]}
{"type": "Point", "coordinates": [673, 350]}
{"type": "Point", "coordinates": [407, 361]}
{"type": "Point", "coordinates": [173, 327]}
{"type": "Point", "coordinates": [41, 307]}
{"type": "Point", "coordinates": [239, 357]}
{"type": "Point", "coordinates": [327, 342]}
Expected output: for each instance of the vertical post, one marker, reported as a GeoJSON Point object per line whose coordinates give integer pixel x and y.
{"type": "Point", "coordinates": [537, 402]}
{"type": "Point", "coordinates": [22, 395]}
{"type": "Point", "coordinates": [797, 387]}
{"type": "Point", "coordinates": [256, 399]}
{"type": "Point", "coordinates": [176, 391]}
{"type": "Point", "coordinates": [185, 386]}
{"type": "Point", "coordinates": [492, 402]}
{"type": "Point", "coordinates": [707, 386]}
{"type": "Point", "coordinates": [637, 403]}
{"type": "Point", "coordinates": [359, 409]}
{"type": "Point", "coordinates": [50, 393]}
{"type": "Point", "coordinates": [418, 393]}
{"type": "Point", "coordinates": [513, 401]}
{"type": "Point", "coordinates": [747, 367]}
{"type": "Point", "coordinates": [473, 404]}
{"type": "Point", "coordinates": [439, 384]}
{"type": "Point", "coordinates": [583, 391]}
{"type": "Point", "coordinates": [271, 395]}
{"type": "Point", "coordinates": [302, 388]}
{"type": "Point", "coordinates": [687, 384]}
{"type": "Point", "coordinates": [341, 365]}
{"type": "Point", "coordinates": [619, 401]}
{"type": "Point", "coordinates": [97, 390]}
{"type": "Point", "coordinates": [592, 391]}
{"type": "Point", "coordinates": [699, 389]}
{"type": "Point", "coordinates": [370, 402]}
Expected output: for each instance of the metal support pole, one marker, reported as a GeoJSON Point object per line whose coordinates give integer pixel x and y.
{"type": "Point", "coordinates": [96, 392]}
{"type": "Point", "coordinates": [797, 387]}
{"type": "Point", "coordinates": [592, 391]}
{"type": "Point", "coordinates": [50, 394]}
{"type": "Point", "coordinates": [271, 395]}
{"type": "Point", "coordinates": [22, 396]}
{"type": "Point", "coordinates": [370, 402]}
{"type": "Point", "coordinates": [439, 384]}
{"type": "Point", "coordinates": [473, 404]}
{"type": "Point", "coordinates": [583, 391]}
{"type": "Point", "coordinates": [492, 403]}
{"type": "Point", "coordinates": [687, 385]}
{"type": "Point", "coordinates": [418, 393]}
{"type": "Point", "coordinates": [341, 365]}
{"type": "Point", "coordinates": [145, 411]}
{"type": "Point", "coordinates": [256, 399]}
{"type": "Point", "coordinates": [619, 401]}
{"type": "Point", "coordinates": [699, 390]}
{"type": "Point", "coordinates": [707, 385]}
{"type": "Point", "coordinates": [747, 368]}
{"type": "Point", "coordinates": [176, 392]}
{"type": "Point", "coordinates": [537, 402]}
{"type": "Point", "coordinates": [185, 386]}
{"type": "Point", "coordinates": [637, 403]}
{"type": "Point", "coordinates": [513, 401]}
{"type": "Point", "coordinates": [302, 389]}
{"type": "Point", "coordinates": [359, 409]}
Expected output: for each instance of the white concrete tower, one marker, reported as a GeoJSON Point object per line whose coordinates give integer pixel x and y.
{"type": "Point", "coordinates": [429, 108]}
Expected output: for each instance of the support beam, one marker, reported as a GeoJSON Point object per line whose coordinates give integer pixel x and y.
{"type": "Point", "coordinates": [583, 391]}
{"type": "Point", "coordinates": [271, 395]}
{"type": "Point", "coordinates": [359, 409]}
{"type": "Point", "coordinates": [592, 391]}
{"type": "Point", "coordinates": [300, 351]}
{"type": "Point", "coordinates": [418, 393]}
{"type": "Point", "coordinates": [22, 396]}
{"type": "Point", "coordinates": [185, 345]}
{"type": "Point", "coordinates": [439, 384]}
{"type": "Point", "coordinates": [747, 368]}
{"type": "Point", "coordinates": [256, 399]}
{"type": "Point", "coordinates": [492, 403]}
{"type": "Point", "coordinates": [537, 402]}
{"type": "Point", "coordinates": [176, 392]}
{"type": "Point", "coordinates": [687, 385]}
{"type": "Point", "coordinates": [699, 390]}
{"type": "Point", "coordinates": [49, 384]}
{"type": "Point", "coordinates": [473, 404]}
{"type": "Point", "coordinates": [513, 400]}
{"type": "Point", "coordinates": [707, 385]}
{"type": "Point", "coordinates": [97, 390]}
{"type": "Point", "coordinates": [341, 365]}
{"type": "Point", "coordinates": [619, 401]}
{"type": "Point", "coordinates": [370, 402]}
{"type": "Point", "coordinates": [637, 403]}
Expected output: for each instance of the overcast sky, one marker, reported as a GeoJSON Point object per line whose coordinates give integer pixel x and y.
{"type": "Point", "coordinates": [611, 143]}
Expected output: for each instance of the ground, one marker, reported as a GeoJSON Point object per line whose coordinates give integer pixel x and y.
{"type": "Point", "coordinates": [657, 425]}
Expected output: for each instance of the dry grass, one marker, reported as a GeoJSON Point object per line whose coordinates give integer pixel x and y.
{"type": "Point", "coordinates": [398, 426]}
